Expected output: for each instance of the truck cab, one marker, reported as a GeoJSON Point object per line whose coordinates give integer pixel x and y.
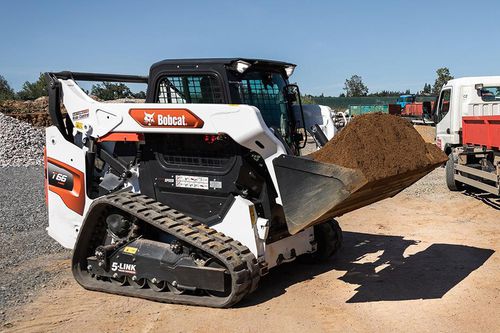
{"type": "Point", "coordinates": [405, 99]}
{"type": "Point", "coordinates": [468, 119]}
{"type": "Point", "coordinates": [468, 96]}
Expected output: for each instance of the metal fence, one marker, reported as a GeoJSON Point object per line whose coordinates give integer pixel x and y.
{"type": "Point", "coordinates": [341, 103]}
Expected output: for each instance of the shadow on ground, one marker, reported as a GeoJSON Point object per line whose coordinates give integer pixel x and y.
{"type": "Point", "coordinates": [487, 198]}
{"type": "Point", "coordinates": [387, 275]}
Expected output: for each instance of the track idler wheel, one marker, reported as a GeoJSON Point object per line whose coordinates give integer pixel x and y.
{"type": "Point", "coordinates": [157, 285]}
{"type": "Point", "coordinates": [121, 281]}
{"type": "Point", "coordinates": [173, 289]}
{"type": "Point", "coordinates": [137, 283]}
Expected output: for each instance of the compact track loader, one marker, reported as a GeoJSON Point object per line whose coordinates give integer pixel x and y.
{"type": "Point", "coordinates": [195, 194]}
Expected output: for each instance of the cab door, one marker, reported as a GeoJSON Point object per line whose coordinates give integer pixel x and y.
{"type": "Point", "coordinates": [443, 128]}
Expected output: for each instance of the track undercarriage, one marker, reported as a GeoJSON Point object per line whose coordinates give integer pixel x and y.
{"type": "Point", "coordinates": [193, 264]}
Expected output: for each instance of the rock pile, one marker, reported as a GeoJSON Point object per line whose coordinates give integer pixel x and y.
{"type": "Point", "coordinates": [20, 143]}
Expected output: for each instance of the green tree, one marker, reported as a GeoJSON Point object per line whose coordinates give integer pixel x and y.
{"type": "Point", "coordinates": [6, 92]}
{"type": "Point", "coordinates": [443, 76]}
{"type": "Point", "coordinates": [388, 93]}
{"type": "Point", "coordinates": [354, 87]}
{"type": "Point", "coordinates": [139, 95]}
{"type": "Point", "coordinates": [110, 91]}
{"type": "Point", "coordinates": [33, 90]}
{"type": "Point", "coordinates": [427, 89]}
{"type": "Point", "coordinates": [307, 99]}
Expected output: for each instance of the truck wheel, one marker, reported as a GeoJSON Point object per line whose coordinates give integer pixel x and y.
{"type": "Point", "coordinates": [452, 184]}
{"type": "Point", "coordinates": [328, 236]}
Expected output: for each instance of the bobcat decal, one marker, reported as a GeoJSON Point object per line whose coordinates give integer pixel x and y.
{"type": "Point", "coordinates": [149, 118]}
{"type": "Point", "coordinates": [166, 118]}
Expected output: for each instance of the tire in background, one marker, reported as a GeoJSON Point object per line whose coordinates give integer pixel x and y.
{"type": "Point", "coordinates": [452, 184]}
{"type": "Point", "coordinates": [329, 238]}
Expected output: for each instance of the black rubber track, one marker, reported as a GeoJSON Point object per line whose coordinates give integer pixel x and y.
{"type": "Point", "coordinates": [237, 258]}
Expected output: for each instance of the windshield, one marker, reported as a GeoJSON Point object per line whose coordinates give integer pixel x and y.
{"type": "Point", "coordinates": [264, 90]}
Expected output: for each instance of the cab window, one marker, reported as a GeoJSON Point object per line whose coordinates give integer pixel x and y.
{"type": "Point", "coordinates": [490, 94]}
{"type": "Point", "coordinates": [444, 103]}
{"type": "Point", "coordinates": [264, 90]}
{"type": "Point", "coordinates": [181, 89]}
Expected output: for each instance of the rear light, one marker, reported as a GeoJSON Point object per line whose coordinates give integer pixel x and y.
{"type": "Point", "coordinates": [210, 139]}
{"type": "Point", "coordinates": [438, 143]}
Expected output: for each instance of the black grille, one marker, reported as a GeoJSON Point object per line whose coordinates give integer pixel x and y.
{"type": "Point", "coordinates": [210, 162]}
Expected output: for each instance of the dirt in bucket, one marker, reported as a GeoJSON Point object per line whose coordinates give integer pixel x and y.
{"type": "Point", "coordinates": [380, 145]}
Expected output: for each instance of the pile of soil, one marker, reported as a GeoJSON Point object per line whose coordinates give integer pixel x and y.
{"type": "Point", "coordinates": [380, 145]}
{"type": "Point", "coordinates": [15, 106]}
{"type": "Point", "coordinates": [428, 133]}
{"type": "Point", "coordinates": [33, 112]}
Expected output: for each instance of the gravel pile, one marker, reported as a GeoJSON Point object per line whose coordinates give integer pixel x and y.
{"type": "Point", "coordinates": [20, 143]}
{"type": "Point", "coordinates": [26, 252]}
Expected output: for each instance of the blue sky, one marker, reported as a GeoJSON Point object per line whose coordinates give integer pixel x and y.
{"type": "Point", "coordinates": [394, 45]}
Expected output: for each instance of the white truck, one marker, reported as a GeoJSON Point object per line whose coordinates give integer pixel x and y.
{"type": "Point", "coordinates": [467, 115]}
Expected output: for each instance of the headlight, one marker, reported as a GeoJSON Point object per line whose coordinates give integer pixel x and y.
{"type": "Point", "coordinates": [240, 66]}
{"type": "Point", "coordinates": [289, 70]}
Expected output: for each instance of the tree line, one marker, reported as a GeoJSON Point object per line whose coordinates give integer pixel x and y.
{"type": "Point", "coordinates": [33, 90]}
{"type": "Point", "coordinates": [354, 86]}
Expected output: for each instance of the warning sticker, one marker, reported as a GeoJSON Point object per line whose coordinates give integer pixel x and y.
{"type": "Point", "coordinates": [215, 184]}
{"type": "Point", "coordinates": [191, 182]}
{"type": "Point", "coordinates": [78, 115]}
{"type": "Point", "coordinates": [130, 250]}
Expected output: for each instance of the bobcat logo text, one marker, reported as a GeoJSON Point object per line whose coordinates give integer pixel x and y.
{"type": "Point", "coordinates": [166, 118]}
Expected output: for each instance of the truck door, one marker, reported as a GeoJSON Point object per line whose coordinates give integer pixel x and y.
{"type": "Point", "coordinates": [443, 128]}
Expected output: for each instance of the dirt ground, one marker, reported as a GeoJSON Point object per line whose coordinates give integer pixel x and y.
{"type": "Point", "coordinates": [425, 260]}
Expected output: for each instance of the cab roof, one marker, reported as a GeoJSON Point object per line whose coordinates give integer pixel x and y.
{"type": "Point", "coordinates": [472, 80]}
{"type": "Point", "coordinates": [217, 61]}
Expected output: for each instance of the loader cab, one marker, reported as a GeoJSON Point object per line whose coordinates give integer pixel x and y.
{"type": "Point", "coordinates": [260, 83]}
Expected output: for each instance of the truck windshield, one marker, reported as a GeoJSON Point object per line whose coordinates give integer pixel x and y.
{"type": "Point", "coordinates": [264, 90]}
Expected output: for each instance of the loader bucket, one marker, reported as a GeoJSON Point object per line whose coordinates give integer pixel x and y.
{"type": "Point", "coordinates": [313, 192]}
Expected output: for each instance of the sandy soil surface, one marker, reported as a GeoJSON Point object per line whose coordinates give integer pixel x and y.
{"type": "Point", "coordinates": [427, 132]}
{"type": "Point", "coordinates": [426, 260]}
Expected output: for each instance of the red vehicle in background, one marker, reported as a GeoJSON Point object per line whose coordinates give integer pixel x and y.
{"type": "Point", "coordinates": [419, 112]}
{"type": "Point", "coordinates": [468, 130]}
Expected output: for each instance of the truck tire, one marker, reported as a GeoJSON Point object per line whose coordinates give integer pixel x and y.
{"type": "Point", "coordinates": [452, 184]}
{"type": "Point", "coordinates": [329, 238]}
